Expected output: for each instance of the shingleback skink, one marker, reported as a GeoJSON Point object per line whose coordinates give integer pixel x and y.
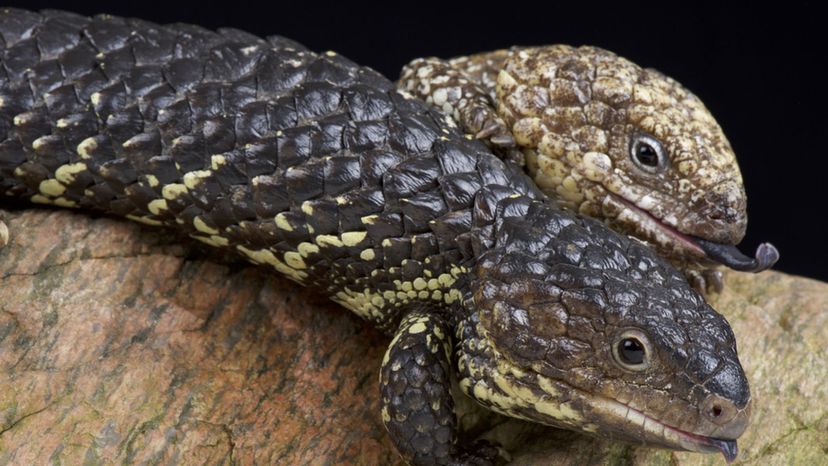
{"type": "Point", "coordinates": [608, 139]}
{"type": "Point", "coordinates": [320, 169]}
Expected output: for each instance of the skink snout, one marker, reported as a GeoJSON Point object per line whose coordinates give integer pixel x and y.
{"type": "Point", "coordinates": [731, 421]}
{"type": "Point", "coordinates": [724, 214]}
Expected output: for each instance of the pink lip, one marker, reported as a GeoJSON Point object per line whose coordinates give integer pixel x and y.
{"type": "Point", "coordinates": [725, 254]}
{"type": "Point", "coordinates": [695, 442]}
{"type": "Point", "coordinates": [667, 229]}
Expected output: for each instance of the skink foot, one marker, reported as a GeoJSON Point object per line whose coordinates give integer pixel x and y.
{"type": "Point", "coordinates": [480, 453]}
{"type": "Point", "coordinates": [705, 281]}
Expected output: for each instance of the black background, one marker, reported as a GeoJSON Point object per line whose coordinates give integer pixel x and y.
{"type": "Point", "coordinates": [759, 70]}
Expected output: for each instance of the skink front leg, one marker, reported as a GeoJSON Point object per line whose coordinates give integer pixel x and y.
{"type": "Point", "coordinates": [450, 89]}
{"type": "Point", "coordinates": [415, 389]}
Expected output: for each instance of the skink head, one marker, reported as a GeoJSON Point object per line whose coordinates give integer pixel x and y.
{"type": "Point", "coordinates": [573, 327]}
{"type": "Point", "coordinates": [626, 144]}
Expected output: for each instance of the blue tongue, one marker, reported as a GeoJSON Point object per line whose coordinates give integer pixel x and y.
{"type": "Point", "coordinates": [728, 448]}
{"type": "Point", "coordinates": [727, 254]}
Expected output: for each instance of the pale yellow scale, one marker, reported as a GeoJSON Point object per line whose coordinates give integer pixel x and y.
{"type": "Point", "coordinates": [511, 388]}
{"type": "Point", "coordinates": [366, 303]}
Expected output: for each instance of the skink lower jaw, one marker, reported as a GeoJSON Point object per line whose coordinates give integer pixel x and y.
{"type": "Point", "coordinates": [728, 448]}
{"type": "Point", "coordinates": [702, 444]}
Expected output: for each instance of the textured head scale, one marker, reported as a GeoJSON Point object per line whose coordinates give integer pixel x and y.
{"type": "Point", "coordinates": [581, 114]}
{"type": "Point", "coordinates": [549, 314]}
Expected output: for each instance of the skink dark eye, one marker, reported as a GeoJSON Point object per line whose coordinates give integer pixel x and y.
{"type": "Point", "coordinates": [631, 350]}
{"type": "Point", "coordinates": [647, 153]}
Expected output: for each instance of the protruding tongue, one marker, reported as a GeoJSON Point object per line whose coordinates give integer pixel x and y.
{"type": "Point", "coordinates": [727, 254]}
{"type": "Point", "coordinates": [728, 448]}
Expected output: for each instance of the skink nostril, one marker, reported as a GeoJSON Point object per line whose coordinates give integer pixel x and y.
{"type": "Point", "coordinates": [718, 410]}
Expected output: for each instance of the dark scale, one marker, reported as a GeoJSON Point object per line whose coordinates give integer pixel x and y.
{"type": "Point", "coordinates": [319, 168]}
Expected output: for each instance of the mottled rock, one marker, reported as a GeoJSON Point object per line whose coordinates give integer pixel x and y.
{"type": "Point", "coordinates": [122, 344]}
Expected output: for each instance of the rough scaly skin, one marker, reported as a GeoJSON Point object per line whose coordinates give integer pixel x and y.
{"type": "Point", "coordinates": [319, 169]}
{"type": "Point", "coordinates": [573, 114]}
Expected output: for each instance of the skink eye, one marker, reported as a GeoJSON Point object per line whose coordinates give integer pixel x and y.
{"type": "Point", "coordinates": [631, 350]}
{"type": "Point", "coordinates": [647, 153]}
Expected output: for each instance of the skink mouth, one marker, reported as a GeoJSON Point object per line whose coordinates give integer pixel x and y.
{"type": "Point", "coordinates": [655, 432]}
{"type": "Point", "coordinates": [694, 442]}
{"type": "Point", "coordinates": [726, 254]}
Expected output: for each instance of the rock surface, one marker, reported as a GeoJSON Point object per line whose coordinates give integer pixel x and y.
{"type": "Point", "coordinates": [119, 344]}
